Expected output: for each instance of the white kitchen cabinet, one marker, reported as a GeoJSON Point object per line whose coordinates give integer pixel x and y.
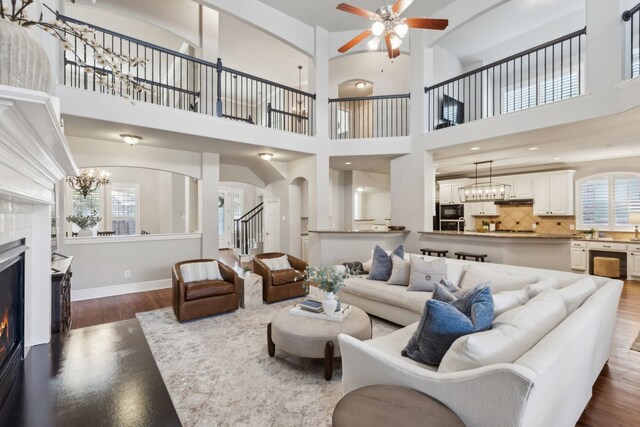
{"type": "Point", "coordinates": [482, 208]}
{"type": "Point", "coordinates": [633, 264]}
{"type": "Point", "coordinates": [579, 259]}
{"type": "Point", "coordinates": [520, 186]}
{"type": "Point", "coordinates": [449, 193]}
{"type": "Point", "coordinates": [553, 193]}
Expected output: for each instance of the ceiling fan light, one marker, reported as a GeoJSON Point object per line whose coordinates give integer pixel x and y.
{"type": "Point", "coordinates": [377, 28]}
{"type": "Point", "coordinates": [401, 29]}
{"type": "Point", "coordinates": [374, 43]}
{"type": "Point", "coordinates": [395, 41]}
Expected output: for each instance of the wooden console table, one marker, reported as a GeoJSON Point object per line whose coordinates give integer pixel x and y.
{"type": "Point", "coordinates": [60, 293]}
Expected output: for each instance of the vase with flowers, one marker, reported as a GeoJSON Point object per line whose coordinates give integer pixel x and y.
{"type": "Point", "coordinates": [85, 222]}
{"type": "Point", "coordinates": [26, 64]}
{"type": "Point", "coordinates": [329, 280]}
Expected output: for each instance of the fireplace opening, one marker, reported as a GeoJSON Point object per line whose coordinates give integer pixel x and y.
{"type": "Point", "coordinates": [11, 314]}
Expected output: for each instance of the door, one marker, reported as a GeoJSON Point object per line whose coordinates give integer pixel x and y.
{"type": "Point", "coordinates": [558, 194]}
{"type": "Point", "coordinates": [225, 219]}
{"type": "Point", "coordinates": [541, 195]}
{"type": "Point", "coordinates": [476, 208]}
{"type": "Point", "coordinates": [271, 214]}
{"type": "Point", "coordinates": [633, 261]}
{"type": "Point", "coordinates": [521, 188]}
{"type": "Point", "coordinates": [445, 194]}
{"type": "Point", "coordinates": [579, 259]}
{"type": "Point", "coordinates": [455, 192]}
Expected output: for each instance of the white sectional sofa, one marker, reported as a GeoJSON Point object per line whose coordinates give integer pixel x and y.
{"type": "Point", "coordinates": [548, 385]}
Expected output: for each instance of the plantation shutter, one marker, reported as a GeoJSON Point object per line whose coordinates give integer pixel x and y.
{"type": "Point", "coordinates": [626, 199]}
{"type": "Point", "coordinates": [594, 196]}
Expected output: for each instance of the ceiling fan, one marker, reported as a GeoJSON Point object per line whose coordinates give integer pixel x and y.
{"type": "Point", "coordinates": [388, 24]}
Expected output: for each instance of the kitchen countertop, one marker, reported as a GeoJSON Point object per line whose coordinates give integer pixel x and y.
{"type": "Point", "coordinates": [501, 235]}
{"type": "Point", "coordinates": [358, 231]}
{"type": "Point", "coordinates": [582, 239]}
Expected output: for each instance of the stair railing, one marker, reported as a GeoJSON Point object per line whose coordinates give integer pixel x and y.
{"type": "Point", "coordinates": [247, 230]}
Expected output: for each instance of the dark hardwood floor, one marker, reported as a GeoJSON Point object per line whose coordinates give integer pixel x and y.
{"type": "Point", "coordinates": [616, 393]}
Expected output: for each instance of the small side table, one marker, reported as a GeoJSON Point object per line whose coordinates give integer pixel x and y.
{"type": "Point", "coordinates": [391, 405]}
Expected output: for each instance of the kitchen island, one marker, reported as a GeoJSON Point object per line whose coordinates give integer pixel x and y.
{"type": "Point", "coordinates": [330, 247]}
{"type": "Point", "coordinates": [550, 251]}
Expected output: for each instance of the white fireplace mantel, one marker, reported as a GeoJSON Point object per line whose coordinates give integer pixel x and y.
{"type": "Point", "coordinates": [34, 156]}
{"type": "Point", "coordinates": [34, 153]}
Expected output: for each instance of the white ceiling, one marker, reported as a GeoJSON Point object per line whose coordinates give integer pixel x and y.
{"type": "Point", "coordinates": [380, 164]}
{"type": "Point", "coordinates": [611, 137]}
{"type": "Point", "coordinates": [323, 13]}
{"type": "Point", "coordinates": [511, 28]}
{"type": "Point", "coordinates": [231, 152]}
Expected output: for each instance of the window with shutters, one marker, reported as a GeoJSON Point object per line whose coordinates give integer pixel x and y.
{"type": "Point", "coordinates": [124, 208]}
{"type": "Point", "coordinates": [605, 201]}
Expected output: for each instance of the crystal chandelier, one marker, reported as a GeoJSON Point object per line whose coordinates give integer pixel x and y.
{"type": "Point", "coordinates": [88, 181]}
{"type": "Point", "coordinates": [484, 191]}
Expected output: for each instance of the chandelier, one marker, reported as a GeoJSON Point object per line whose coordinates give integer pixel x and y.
{"type": "Point", "coordinates": [301, 112]}
{"type": "Point", "coordinates": [484, 191]}
{"type": "Point", "coordinates": [88, 181]}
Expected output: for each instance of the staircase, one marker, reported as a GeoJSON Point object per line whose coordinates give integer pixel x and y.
{"type": "Point", "coordinates": [248, 233]}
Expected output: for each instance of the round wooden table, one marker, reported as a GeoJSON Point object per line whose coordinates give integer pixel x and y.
{"type": "Point", "coordinates": [391, 405]}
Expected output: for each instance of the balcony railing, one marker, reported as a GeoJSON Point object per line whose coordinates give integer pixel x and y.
{"type": "Point", "coordinates": [547, 73]}
{"type": "Point", "coordinates": [177, 80]}
{"type": "Point", "coordinates": [632, 16]}
{"type": "Point", "coordinates": [369, 117]}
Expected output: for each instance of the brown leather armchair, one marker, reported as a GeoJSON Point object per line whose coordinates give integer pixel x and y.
{"type": "Point", "coordinates": [282, 284]}
{"type": "Point", "coordinates": [206, 297]}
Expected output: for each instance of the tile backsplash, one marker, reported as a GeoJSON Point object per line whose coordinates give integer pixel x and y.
{"type": "Point", "coordinates": [521, 217]}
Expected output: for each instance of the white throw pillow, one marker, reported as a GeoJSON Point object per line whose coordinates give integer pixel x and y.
{"type": "Point", "coordinates": [455, 271]}
{"type": "Point", "coordinates": [546, 283]}
{"type": "Point", "coordinates": [574, 295]}
{"type": "Point", "coordinates": [400, 272]}
{"type": "Point", "coordinates": [197, 271]}
{"type": "Point", "coordinates": [506, 300]}
{"type": "Point", "coordinates": [277, 264]}
{"type": "Point", "coordinates": [513, 334]}
{"type": "Point", "coordinates": [498, 282]}
{"type": "Point", "coordinates": [425, 274]}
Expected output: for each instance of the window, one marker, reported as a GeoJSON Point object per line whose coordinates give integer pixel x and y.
{"type": "Point", "coordinates": [550, 89]}
{"type": "Point", "coordinates": [519, 98]}
{"type": "Point", "coordinates": [124, 209]}
{"type": "Point", "coordinates": [605, 201]}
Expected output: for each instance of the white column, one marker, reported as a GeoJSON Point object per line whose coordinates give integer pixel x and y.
{"type": "Point", "coordinates": [209, 214]}
{"type": "Point", "coordinates": [38, 278]}
{"type": "Point", "coordinates": [605, 45]}
{"type": "Point", "coordinates": [322, 195]}
{"type": "Point", "coordinates": [321, 84]}
{"type": "Point", "coordinates": [420, 72]}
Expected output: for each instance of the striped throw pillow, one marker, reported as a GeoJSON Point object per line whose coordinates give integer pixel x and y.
{"type": "Point", "coordinates": [277, 264]}
{"type": "Point", "coordinates": [197, 271]}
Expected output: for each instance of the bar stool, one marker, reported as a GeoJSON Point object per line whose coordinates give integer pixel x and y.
{"type": "Point", "coordinates": [464, 255]}
{"type": "Point", "coordinates": [438, 252]}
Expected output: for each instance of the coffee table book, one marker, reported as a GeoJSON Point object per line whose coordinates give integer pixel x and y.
{"type": "Point", "coordinates": [297, 311]}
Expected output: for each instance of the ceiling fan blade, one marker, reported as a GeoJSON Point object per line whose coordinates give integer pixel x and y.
{"type": "Point", "coordinates": [427, 24]}
{"type": "Point", "coordinates": [393, 53]}
{"type": "Point", "coordinates": [354, 41]}
{"type": "Point", "coordinates": [356, 11]}
{"type": "Point", "coordinates": [400, 6]}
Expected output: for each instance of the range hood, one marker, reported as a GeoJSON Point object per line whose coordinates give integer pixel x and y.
{"type": "Point", "coordinates": [484, 191]}
{"type": "Point", "coordinates": [514, 202]}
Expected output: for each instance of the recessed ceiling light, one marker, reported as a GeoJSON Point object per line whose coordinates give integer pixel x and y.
{"type": "Point", "coordinates": [474, 148]}
{"type": "Point", "coordinates": [557, 158]}
{"type": "Point", "coordinates": [347, 163]}
{"type": "Point", "coordinates": [131, 139]}
{"type": "Point", "coordinates": [437, 173]}
{"type": "Point", "coordinates": [361, 189]}
{"type": "Point", "coordinates": [266, 156]}
{"type": "Point", "coordinates": [533, 148]}
{"type": "Point", "coordinates": [361, 85]}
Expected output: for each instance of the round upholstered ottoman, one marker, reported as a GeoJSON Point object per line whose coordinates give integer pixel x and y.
{"type": "Point", "coordinates": [315, 338]}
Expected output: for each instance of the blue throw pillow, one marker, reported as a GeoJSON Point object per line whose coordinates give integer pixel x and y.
{"type": "Point", "coordinates": [381, 264]}
{"type": "Point", "coordinates": [444, 322]}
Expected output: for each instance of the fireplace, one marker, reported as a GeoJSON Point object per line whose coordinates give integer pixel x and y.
{"type": "Point", "coordinates": [11, 313]}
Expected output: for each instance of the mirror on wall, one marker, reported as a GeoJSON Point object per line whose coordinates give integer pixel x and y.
{"type": "Point", "coordinates": [128, 201]}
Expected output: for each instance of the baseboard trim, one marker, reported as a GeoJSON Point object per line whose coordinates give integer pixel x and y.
{"type": "Point", "coordinates": [109, 291]}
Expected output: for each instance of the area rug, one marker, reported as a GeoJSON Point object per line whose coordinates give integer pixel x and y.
{"type": "Point", "coordinates": [636, 344]}
{"type": "Point", "coordinates": [218, 372]}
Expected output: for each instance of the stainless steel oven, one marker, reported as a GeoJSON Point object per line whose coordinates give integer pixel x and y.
{"type": "Point", "coordinates": [451, 212]}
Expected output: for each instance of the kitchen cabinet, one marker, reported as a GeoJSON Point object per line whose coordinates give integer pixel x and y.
{"type": "Point", "coordinates": [482, 208]}
{"type": "Point", "coordinates": [60, 293]}
{"type": "Point", "coordinates": [449, 193]}
{"type": "Point", "coordinates": [520, 186]}
{"type": "Point", "coordinates": [553, 194]}
{"type": "Point", "coordinates": [579, 256]}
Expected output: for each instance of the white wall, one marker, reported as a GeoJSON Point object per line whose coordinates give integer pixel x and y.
{"type": "Point", "coordinates": [368, 66]}
{"type": "Point", "coordinates": [377, 206]}
{"type": "Point", "coordinates": [252, 195]}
